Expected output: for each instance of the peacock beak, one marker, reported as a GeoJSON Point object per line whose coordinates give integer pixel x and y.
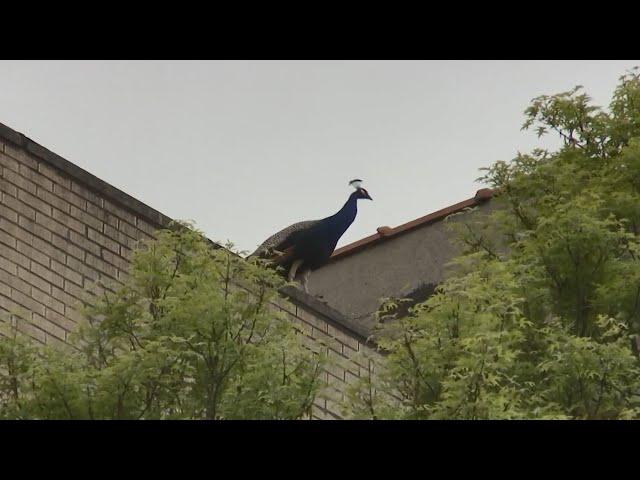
{"type": "Point", "coordinates": [369, 197]}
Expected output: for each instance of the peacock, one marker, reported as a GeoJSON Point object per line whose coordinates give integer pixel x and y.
{"type": "Point", "coordinates": [307, 245]}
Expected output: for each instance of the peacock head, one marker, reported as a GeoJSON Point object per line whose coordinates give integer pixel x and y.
{"type": "Point", "coordinates": [360, 191]}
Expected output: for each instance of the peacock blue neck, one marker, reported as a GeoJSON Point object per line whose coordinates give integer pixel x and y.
{"type": "Point", "coordinates": [341, 221]}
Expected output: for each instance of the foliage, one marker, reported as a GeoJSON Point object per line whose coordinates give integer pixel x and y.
{"type": "Point", "coordinates": [189, 335]}
{"type": "Point", "coordinates": [539, 315]}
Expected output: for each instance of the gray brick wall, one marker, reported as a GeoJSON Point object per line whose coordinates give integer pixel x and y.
{"type": "Point", "coordinates": [63, 232]}
{"type": "Point", "coordinates": [58, 238]}
{"type": "Point", "coordinates": [322, 328]}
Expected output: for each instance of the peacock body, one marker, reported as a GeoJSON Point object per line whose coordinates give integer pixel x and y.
{"type": "Point", "coordinates": [309, 244]}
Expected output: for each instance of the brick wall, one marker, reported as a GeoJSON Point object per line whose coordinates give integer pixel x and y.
{"type": "Point", "coordinates": [64, 232]}
{"type": "Point", "coordinates": [349, 353]}
{"type": "Point", "coordinates": [58, 239]}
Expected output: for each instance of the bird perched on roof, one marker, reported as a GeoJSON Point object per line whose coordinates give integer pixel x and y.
{"type": "Point", "coordinates": [307, 245]}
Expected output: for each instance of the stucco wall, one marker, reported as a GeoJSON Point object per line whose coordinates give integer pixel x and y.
{"type": "Point", "coordinates": [354, 284]}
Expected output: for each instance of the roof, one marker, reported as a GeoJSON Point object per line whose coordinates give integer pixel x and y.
{"type": "Point", "coordinates": [385, 233]}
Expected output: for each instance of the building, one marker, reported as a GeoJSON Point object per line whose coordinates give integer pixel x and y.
{"type": "Point", "coordinates": [407, 261]}
{"type": "Point", "coordinates": [63, 231]}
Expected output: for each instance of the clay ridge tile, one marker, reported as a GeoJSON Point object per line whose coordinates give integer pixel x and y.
{"type": "Point", "coordinates": [384, 233]}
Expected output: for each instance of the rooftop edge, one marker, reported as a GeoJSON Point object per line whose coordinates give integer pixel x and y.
{"type": "Point", "coordinates": [7, 134]}
{"type": "Point", "coordinates": [384, 233]}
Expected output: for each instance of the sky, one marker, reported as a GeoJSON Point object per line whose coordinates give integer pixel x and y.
{"type": "Point", "coordinates": [246, 148]}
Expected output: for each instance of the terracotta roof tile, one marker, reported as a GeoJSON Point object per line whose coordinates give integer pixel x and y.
{"type": "Point", "coordinates": [385, 232]}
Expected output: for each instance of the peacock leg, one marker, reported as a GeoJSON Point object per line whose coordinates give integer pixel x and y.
{"type": "Point", "coordinates": [294, 268]}
{"type": "Point", "coordinates": [305, 280]}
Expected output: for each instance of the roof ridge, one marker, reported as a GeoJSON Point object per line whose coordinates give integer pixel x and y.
{"type": "Point", "coordinates": [385, 232]}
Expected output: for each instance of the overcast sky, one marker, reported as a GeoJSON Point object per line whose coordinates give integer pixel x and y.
{"type": "Point", "coordinates": [245, 148]}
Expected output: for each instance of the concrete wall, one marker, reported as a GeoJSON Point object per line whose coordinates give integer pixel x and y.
{"type": "Point", "coordinates": [354, 284]}
{"type": "Point", "coordinates": [63, 231]}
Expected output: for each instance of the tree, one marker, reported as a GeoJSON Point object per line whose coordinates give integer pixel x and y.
{"type": "Point", "coordinates": [540, 314]}
{"type": "Point", "coordinates": [190, 335]}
